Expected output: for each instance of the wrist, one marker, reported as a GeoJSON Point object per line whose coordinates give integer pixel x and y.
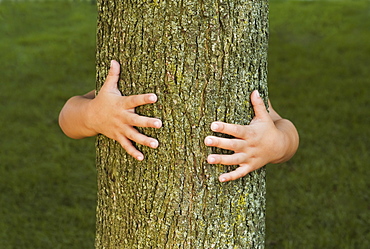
{"type": "Point", "coordinates": [288, 141]}
{"type": "Point", "coordinates": [280, 146]}
{"type": "Point", "coordinates": [90, 119]}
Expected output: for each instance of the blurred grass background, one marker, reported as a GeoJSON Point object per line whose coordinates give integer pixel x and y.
{"type": "Point", "coordinates": [319, 77]}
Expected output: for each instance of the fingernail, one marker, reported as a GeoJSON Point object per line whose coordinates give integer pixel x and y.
{"type": "Point", "coordinates": [111, 63]}
{"type": "Point", "coordinates": [208, 141]}
{"type": "Point", "coordinates": [154, 144]}
{"type": "Point", "coordinates": [222, 179]}
{"type": "Point", "coordinates": [153, 98]}
{"type": "Point", "coordinates": [214, 126]}
{"type": "Point", "coordinates": [140, 157]}
{"type": "Point", "coordinates": [157, 124]}
{"type": "Point", "coordinates": [258, 94]}
{"type": "Point", "coordinates": [211, 159]}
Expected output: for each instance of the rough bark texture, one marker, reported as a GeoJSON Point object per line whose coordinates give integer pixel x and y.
{"type": "Point", "coordinates": [202, 58]}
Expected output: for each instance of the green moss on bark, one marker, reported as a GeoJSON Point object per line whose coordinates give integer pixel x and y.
{"type": "Point", "coordinates": [202, 59]}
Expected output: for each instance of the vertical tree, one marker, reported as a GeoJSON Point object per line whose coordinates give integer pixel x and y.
{"type": "Point", "coordinates": [202, 58]}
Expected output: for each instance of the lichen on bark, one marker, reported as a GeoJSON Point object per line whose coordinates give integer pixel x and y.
{"type": "Point", "coordinates": [202, 58]}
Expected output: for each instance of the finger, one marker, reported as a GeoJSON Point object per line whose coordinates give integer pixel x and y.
{"type": "Point", "coordinates": [236, 174]}
{"type": "Point", "coordinates": [130, 149]}
{"type": "Point", "coordinates": [258, 105]}
{"type": "Point", "coordinates": [134, 119]}
{"type": "Point", "coordinates": [230, 129]}
{"type": "Point", "coordinates": [111, 81]}
{"type": "Point", "coordinates": [234, 159]}
{"type": "Point", "coordinates": [134, 135]}
{"type": "Point", "coordinates": [133, 101]}
{"type": "Point", "coordinates": [225, 143]}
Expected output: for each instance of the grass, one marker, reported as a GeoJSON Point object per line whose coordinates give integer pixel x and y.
{"type": "Point", "coordinates": [47, 181]}
{"type": "Point", "coordinates": [318, 77]}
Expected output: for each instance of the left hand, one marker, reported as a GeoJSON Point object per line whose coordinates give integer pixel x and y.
{"type": "Point", "coordinates": [255, 145]}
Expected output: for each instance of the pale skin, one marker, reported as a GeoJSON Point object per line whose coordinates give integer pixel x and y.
{"type": "Point", "coordinates": [269, 138]}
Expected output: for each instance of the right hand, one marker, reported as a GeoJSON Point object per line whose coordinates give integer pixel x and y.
{"type": "Point", "coordinates": [113, 115]}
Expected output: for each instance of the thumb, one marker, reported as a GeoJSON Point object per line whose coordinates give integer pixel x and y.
{"type": "Point", "coordinates": [111, 81]}
{"type": "Point", "coordinates": [258, 105]}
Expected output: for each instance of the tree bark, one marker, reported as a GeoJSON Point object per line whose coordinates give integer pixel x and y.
{"type": "Point", "coordinates": [202, 58]}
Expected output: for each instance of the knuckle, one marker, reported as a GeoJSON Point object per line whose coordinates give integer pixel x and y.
{"type": "Point", "coordinates": [251, 133]}
{"type": "Point", "coordinates": [150, 122]}
{"type": "Point", "coordinates": [233, 144]}
{"type": "Point", "coordinates": [133, 120]}
{"type": "Point", "coordinates": [238, 159]}
{"type": "Point", "coordinates": [238, 130]}
{"type": "Point", "coordinates": [239, 173]}
{"type": "Point", "coordinates": [135, 100]}
{"type": "Point", "coordinates": [215, 141]}
{"type": "Point", "coordinates": [124, 143]}
{"type": "Point", "coordinates": [134, 137]}
{"type": "Point", "coordinates": [217, 160]}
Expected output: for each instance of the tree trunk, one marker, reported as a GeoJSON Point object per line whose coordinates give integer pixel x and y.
{"type": "Point", "coordinates": [202, 58]}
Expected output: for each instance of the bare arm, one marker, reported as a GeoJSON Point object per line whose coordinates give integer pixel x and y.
{"type": "Point", "coordinates": [111, 114]}
{"type": "Point", "coordinates": [73, 117]}
{"type": "Point", "coordinates": [291, 137]}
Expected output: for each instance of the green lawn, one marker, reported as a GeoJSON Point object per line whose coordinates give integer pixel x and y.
{"type": "Point", "coordinates": [319, 77]}
{"type": "Point", "coordinates": [47, 181]}
{"type": "Point", "coordinates": [319, 61]}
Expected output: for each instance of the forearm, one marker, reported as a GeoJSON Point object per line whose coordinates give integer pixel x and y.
{"type": "Point", "coordinates": [290, 138]}
{"type": "Point", "coordinates": [74, 115]}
